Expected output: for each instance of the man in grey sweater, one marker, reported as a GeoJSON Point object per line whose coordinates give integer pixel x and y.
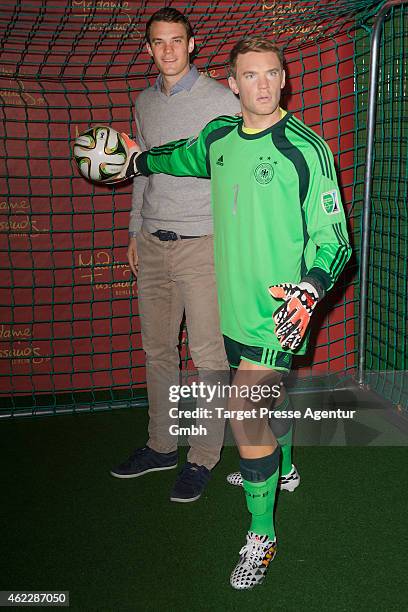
{"type": "Point", "coordinates": [171, 252]}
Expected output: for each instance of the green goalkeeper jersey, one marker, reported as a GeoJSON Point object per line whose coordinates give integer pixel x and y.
{"type": "Point", "coordinates": [277, 210]}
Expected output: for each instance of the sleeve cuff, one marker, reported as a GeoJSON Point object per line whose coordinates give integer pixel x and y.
{"type": "Point", "coordinates": [320, 280]}
{"type": "Point", "coordinates": [141, 164]}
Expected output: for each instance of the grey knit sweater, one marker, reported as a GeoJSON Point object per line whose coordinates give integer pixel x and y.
{"type": "Point", "coordinates": [179, 204]}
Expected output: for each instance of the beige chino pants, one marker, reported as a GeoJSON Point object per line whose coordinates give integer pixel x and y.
{"type": "Point", "coordinates": [173, 277]}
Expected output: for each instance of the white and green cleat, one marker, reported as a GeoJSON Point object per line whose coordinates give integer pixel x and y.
{"type": "Point", "coordinates": [289, 482]}
{"type": "Point", "coordinates": [255, 558]}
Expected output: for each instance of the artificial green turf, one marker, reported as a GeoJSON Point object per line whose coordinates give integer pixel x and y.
{"type": "Point", "coordinates": [122, 545]}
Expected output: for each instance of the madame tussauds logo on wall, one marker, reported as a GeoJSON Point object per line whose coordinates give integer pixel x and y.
{"type": "Point", "coordinates": [17, 346]}
{"type": "Point", "coordinates": [15, 93]}
{"type": "Point", "coordinates": [112, 18]}
{"type": "Point", "coordinates": [285, 18]}
{"type": "Point", "coordinates": [101, 270]}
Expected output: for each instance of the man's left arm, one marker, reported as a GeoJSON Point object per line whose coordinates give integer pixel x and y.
{"type": "Point", "coordinates": [327, 229]}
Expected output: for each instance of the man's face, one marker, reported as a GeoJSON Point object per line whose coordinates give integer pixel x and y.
{"type": "Point", "coordinates": [170, 48]}
{"type": "Point", "coordinates": [259, 80]}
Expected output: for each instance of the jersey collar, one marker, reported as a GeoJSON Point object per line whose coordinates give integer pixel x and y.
{"type": "Point", "coordinates": [269, 130]}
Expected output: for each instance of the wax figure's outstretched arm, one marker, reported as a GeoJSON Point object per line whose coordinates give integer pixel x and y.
{"type": "Point", "coordinates": [185, 157]}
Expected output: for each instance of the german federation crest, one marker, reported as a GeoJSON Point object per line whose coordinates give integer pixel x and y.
{"type": "Point", "coordinates": [330, 202]}
{"type": "Point", "coordinates": [264, 173]}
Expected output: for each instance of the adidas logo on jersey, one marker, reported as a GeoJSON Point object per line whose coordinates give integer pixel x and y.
{"type": "Point", "coordinates": [220, 161]}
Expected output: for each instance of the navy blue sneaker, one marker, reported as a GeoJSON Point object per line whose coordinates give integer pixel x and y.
{"type": "Point", "coordinates": [145, 460]}
{"type": "Point", "coordinates": [190, 483]}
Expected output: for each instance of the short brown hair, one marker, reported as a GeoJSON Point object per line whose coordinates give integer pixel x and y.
{"type": "Point", "coordinates": [170, 15]}
{"type": "Point", "coordinates": [252, 43]}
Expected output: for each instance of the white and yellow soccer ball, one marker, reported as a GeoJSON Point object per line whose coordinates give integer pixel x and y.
{"type": "Point", "coordinates": [100, 153]}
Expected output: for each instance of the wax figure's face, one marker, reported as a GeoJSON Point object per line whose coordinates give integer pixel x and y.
{"type": "Point", "coordinates": [259, 80]}
{"type": "Point", "coordinates": [170, 48]}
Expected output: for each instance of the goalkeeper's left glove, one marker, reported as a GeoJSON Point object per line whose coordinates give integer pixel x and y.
{"type": "Point", "coordinates": [129, 169]}
{"type": "Point", "coordinates": [292, 318]}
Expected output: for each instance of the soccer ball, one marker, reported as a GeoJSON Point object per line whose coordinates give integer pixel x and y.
{"type": "Point", "coordinates": [100, 153]}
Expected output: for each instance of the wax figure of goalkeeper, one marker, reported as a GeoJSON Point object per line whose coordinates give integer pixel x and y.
{"type": "Point", "coordinates": [280, 244]}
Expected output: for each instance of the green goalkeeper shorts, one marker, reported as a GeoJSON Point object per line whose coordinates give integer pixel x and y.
{"type": "Point", "coordinates": [271, 358]}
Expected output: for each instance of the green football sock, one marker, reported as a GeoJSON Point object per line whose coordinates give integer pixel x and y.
{"type": "Point", "coordinates": [260, 499]}
{"type": "Point", "coordinates": [285, 442]}
{"type": "Point", "coordinates": [284, 439]}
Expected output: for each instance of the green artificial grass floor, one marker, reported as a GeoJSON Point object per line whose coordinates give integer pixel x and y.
{"type": "Point", "coordinates": [122, 545]}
